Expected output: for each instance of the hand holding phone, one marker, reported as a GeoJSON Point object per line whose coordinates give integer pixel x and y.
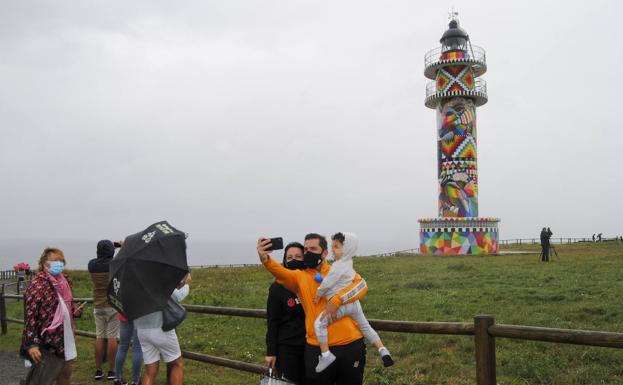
{"type": "Point", "coordinates": [276, 244]}
{"type": "Point", "coordinates": [78, 310]}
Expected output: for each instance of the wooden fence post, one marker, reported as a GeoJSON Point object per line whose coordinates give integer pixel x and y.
{"type": "Point", "coordinates": [3, 312]}
{"type": "Point", "coordinates": [485, 350]}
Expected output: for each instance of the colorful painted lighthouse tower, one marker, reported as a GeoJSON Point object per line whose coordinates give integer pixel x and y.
{"type": "Point", "coordinates": [455, 91]}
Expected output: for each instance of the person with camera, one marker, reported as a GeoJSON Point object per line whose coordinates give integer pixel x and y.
{"type": "Point", "coordinates": [545, 235]}
{"type": "Point", "coordinates": [345, 338]}
{"type": "Point", "coordinates": [106, 317]}
{"type": "Point", "coordinates": [285, 334]}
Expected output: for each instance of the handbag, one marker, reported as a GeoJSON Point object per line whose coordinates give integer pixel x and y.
{"type": "Point", "coordinates": [46, 371]}
{"type": "Point", "coordinates": [273, 380]}
{"type": "Point", "coordinates": [172, 315]}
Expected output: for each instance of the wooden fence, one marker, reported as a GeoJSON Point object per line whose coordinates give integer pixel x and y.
{"type": "Point", "coordinates": [484, 330]}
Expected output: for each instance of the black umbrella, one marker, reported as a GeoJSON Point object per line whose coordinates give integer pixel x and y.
{"type": "Point", "coordinates": [147, 269]}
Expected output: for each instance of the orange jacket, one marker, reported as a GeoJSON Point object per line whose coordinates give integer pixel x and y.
{"type": "Point", "coordinates": [301, 282]}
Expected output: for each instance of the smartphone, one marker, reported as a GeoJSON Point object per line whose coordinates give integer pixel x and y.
{"type": "Point", "coordinates": [117, 244]}
{"type": "Point", "coordinates": [277, 244]}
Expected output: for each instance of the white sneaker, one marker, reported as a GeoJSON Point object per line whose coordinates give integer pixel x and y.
{"type": "Point", "coordinates": [324, 362]}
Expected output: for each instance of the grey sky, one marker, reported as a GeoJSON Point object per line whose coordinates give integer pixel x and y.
{"type": "Point", "coordinates": [234, 119]}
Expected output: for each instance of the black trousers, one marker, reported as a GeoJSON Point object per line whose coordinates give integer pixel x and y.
{"type": "Point", "coordinates": [347, 369]}
{"type": "Point", "coordinates": [545, 252]}
{"type": "Point", "coordinates": [291, 363]}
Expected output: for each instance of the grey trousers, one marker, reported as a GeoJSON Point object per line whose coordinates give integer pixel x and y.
{"type": "Point", "coordinates": [352, 310]}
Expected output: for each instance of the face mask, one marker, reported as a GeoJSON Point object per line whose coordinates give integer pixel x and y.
{"type": "Point", "coordinates": [295, 265]}
{"type": "Point", "coordinates": [56, 267]}
{"type": "Point", "coordinates": [312, 260]}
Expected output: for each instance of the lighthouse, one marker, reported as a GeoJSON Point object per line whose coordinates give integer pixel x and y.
{"type": "Point", "coordinates": [456, 89]}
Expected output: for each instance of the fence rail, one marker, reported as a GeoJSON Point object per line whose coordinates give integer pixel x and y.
{"type": "Point", "coordinates": [483, 329]}
{"type": "Point", "coordinates": [553, 240]}
{"type": "Point", "coordinates": [6, 275]}
{"type": "Point", "coordinates": [232, 265]}
{"type": "Point", "coordinates": [220, 361]}
{"type": "Point", "coordinates": [505, 242]}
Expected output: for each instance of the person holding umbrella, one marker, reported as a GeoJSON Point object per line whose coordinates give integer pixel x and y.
{"type": "Point", "coordinates": [149, 270]}
{"type": "Point", "coordinates": [155, 341]}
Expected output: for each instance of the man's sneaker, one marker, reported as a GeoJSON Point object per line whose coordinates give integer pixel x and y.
{"type": "Point", "coordinates": [98, 375]}
{"type": "Point", "coordinates": [111, 375]}
{"type": "Point", "coordinates": [323, 362]}
{"type": "Point", "coordinates": [386, 357]}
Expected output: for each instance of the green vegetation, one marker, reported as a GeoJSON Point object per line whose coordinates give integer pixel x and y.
{"type": "Point", "coordinates": [580, 289]}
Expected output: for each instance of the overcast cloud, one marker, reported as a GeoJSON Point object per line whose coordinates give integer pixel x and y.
{"type": "Point", "coordinates": [234, 119]}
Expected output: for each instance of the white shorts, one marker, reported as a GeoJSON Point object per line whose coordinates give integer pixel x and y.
{"type": "Point", "coordinates": [156, 341]}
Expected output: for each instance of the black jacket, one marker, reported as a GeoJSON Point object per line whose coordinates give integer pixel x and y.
{"type": "Point", "coordinates": [99, 268]}
{"type": "Point", "coordinates": [286, 320]}
{"type": "Point", "coordinates": [544, 237]}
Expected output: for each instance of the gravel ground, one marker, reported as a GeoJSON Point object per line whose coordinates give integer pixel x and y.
{"type": "Point", "coordinates": [12, 368]}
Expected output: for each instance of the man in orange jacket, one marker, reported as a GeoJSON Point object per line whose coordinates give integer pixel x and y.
{"type": "Point", "coordinates": [345, 338]}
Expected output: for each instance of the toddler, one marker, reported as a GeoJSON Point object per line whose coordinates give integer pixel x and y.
{"type": "Point", "coordinates": [344, 247]}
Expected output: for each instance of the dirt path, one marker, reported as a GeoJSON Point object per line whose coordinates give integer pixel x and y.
{"type": "Point", "coordinates": [12, 289]}
{"type": "Point", "coordinates": [12, 368]}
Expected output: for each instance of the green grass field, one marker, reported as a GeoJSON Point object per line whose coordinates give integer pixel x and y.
{"type": "Point", "coordinates": [580, 289]}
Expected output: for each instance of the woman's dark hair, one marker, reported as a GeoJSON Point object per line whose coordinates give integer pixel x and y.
{"type": "Point", "coordinates": [288, 247]}
{"type": "Point", "coordinates": [338, 237]}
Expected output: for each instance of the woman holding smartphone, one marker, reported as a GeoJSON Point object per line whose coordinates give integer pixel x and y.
{"type": "Point", "coordinates": [48, 337]}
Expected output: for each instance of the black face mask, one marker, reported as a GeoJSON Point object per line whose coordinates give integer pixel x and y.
{"type": "Point", "coordinates": [295, 265]}
{"type": "Point", "coordinates": [312, 260]}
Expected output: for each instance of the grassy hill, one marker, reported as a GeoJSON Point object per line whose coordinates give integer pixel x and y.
{"type": "Point", "coordinates": [580, 289]}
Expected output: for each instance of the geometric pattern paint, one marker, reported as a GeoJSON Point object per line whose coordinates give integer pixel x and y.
{"type": "Point", "coordinates": [466, 149]}
{"type": "Point", "coordinates": [453, 55]}
{"type": "Point", "coordinates": [459, 242]}
{"type": "Point", "coordinates": [455, 78]}
{"type": "Point", "coordinates": [457, 173]}
{"type": "Point", "coordinates": [449, 146]}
